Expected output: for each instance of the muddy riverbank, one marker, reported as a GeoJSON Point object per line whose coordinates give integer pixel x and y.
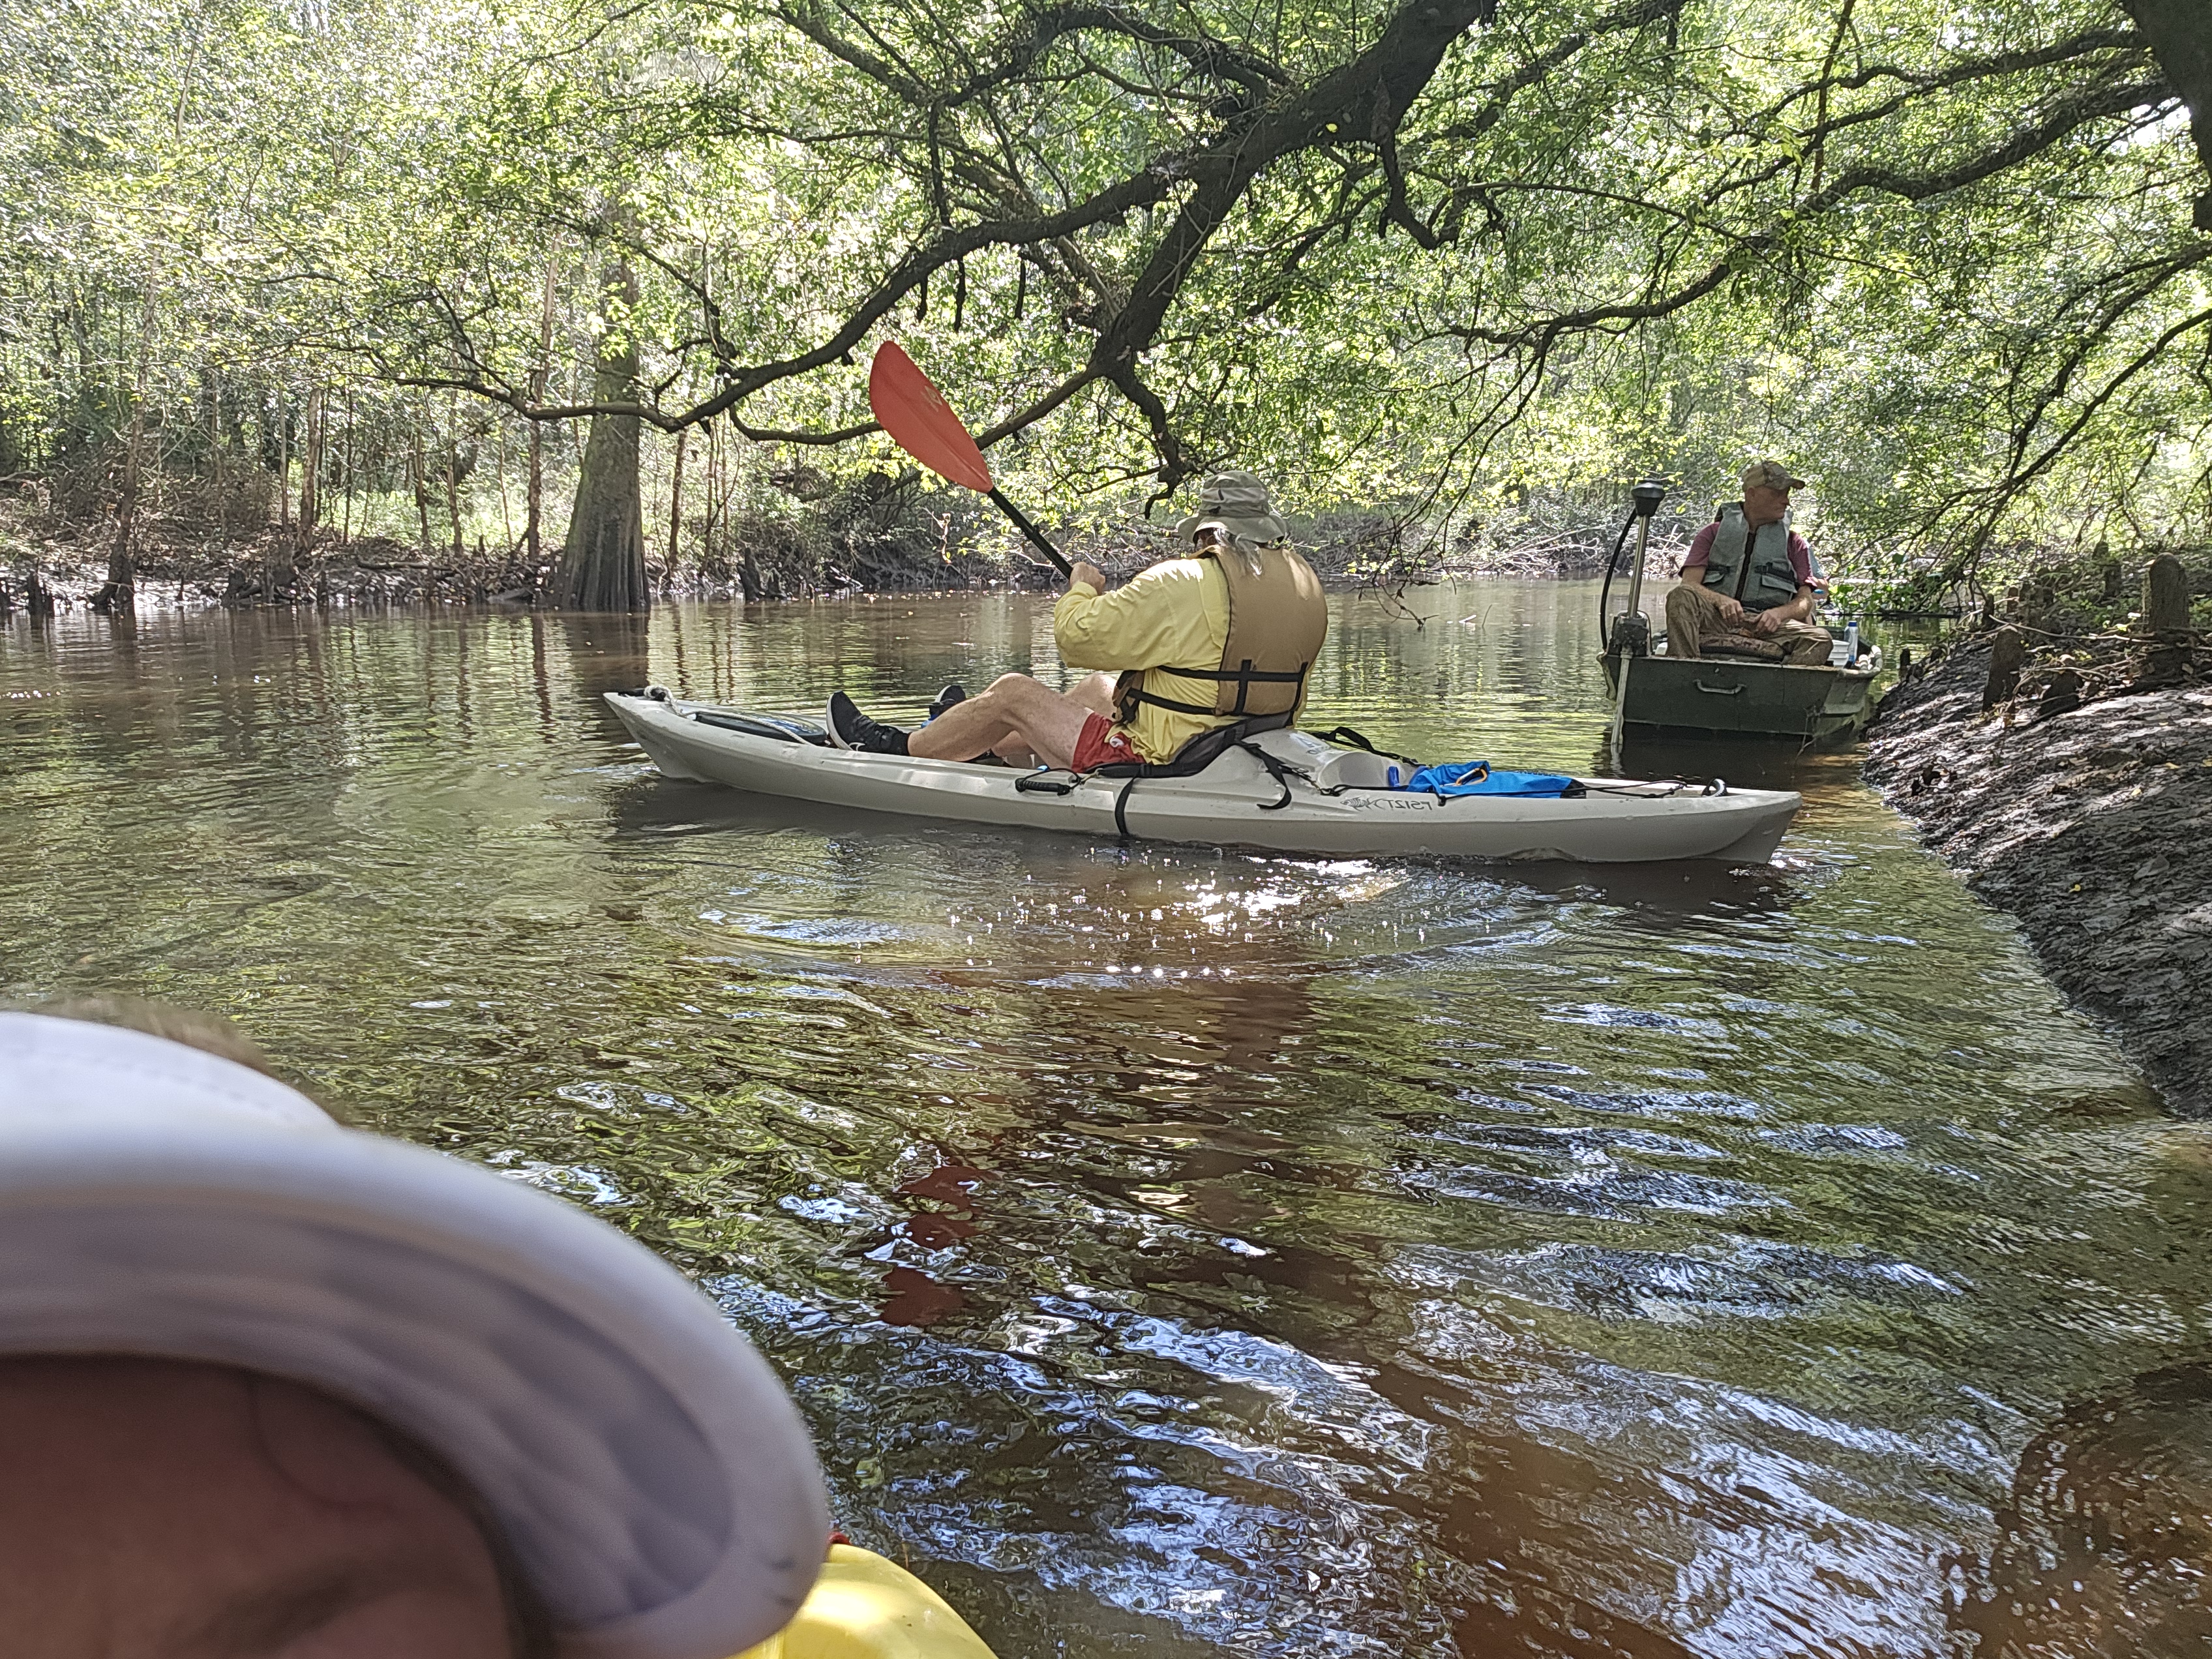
{"type": "Point", "coordinates": [2089, 826]}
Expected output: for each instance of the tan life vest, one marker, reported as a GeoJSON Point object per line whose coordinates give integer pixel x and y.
{"type": "Point", "coordinates": [1277, 621]}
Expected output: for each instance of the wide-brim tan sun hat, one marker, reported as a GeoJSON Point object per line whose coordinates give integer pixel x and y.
{"type": "Point", "coordinates": [647, 1468]}
{"type": "Point", "coordinates": [1239, 503]}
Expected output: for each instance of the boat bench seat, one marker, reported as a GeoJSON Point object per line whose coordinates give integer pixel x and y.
{"type": "Point", "coordinates": [1750, 650]}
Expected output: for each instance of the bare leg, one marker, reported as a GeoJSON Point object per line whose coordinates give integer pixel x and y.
{"type": "Point", "coordinates": [1093, 694]}
{"type": "Point", "coordinates": [1014, 710]}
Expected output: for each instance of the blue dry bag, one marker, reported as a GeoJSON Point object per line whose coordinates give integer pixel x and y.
{"type": "Point", "coordinates": [1480, 778]}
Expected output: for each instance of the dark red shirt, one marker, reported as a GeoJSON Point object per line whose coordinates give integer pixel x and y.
{"type": "Point", "coordinates": [1801, 557]}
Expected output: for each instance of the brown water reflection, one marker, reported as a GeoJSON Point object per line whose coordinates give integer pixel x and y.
{"type": "Point", "coordinates": [2104, 1545]}
{"type": "Point", "coordinates": [1173, 1249]}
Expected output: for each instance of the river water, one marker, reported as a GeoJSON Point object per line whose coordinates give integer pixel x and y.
{"type": "Point", "coordinates": [1178, 1251]}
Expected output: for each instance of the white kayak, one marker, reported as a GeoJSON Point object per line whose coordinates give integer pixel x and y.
{"type": "Point", "coordinates": [1306, 796]}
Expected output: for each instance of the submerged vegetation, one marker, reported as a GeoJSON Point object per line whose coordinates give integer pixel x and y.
{"type": "Point", "coordinates": [576, 299]}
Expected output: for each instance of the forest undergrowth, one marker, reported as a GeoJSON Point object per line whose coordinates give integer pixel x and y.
{"type": "Point", "coordinates": [224, 535]}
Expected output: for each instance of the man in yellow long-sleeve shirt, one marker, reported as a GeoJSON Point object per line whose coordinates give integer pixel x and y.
{"type": "Point", "coordinates": [1173, 616]}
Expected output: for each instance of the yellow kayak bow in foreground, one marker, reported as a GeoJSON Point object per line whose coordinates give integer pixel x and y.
{"type": "Point", "coordinates": [863, 1606]}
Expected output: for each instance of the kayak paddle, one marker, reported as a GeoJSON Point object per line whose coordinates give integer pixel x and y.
{"type": "Point", "coordinates": [923, 423]}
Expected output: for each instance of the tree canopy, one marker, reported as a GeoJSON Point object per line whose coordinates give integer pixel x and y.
{"type": "Point", "coordinates": [1432, 254]}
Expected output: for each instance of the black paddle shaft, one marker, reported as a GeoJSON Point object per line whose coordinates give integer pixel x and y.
{"type": "Point", "coordinates": [1036, 535]}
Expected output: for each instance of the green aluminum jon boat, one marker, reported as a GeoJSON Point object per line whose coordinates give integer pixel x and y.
{"type": "Point", "coordinates": [1722, 696]}
{"type": "Point", "coordinates": [1739, 696]}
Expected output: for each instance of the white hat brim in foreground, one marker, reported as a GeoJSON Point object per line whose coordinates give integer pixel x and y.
{"type": "Point", "coordinates": [647, 1467]}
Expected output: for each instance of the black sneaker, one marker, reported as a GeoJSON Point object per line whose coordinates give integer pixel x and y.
{"type": "Point", "coordinates": [954, 693]}
{"type": "Point", "coordinates": [850, 729]}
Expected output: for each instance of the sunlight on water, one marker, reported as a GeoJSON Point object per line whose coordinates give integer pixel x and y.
{"type": "Point", "coordinates": [1178, 1249]}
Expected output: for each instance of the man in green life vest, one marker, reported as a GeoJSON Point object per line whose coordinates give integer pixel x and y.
{"type": "Point", "coordinates": [1750, 586]}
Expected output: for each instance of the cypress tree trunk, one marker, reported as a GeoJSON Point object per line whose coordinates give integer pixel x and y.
{"type": "Point", "coordinates": [675, 512]}
{"type": "Point", "coordinates": [311, 470]}
{"type": "Point", "coordinates": [603, 559]}
{"type": "Point", "coordinates": [415, 464]}
{"type": "Point", "coordinates": [345, 473]}
{"type": "Point", "coordinates": [120, 593]}
{"type": "Point", "coordinates": [536, 499]}
{"type": "Point", "coordinates": [453, 471]}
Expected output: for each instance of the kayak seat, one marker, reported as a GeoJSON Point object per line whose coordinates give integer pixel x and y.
{"type": "Point", "coordinates": [1194, 757]}
{"type": "Point", "coordinates": [1200, 752]}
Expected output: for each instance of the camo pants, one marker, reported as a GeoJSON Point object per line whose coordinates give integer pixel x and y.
{"type": "Point", "coordinates": [1694, 624]}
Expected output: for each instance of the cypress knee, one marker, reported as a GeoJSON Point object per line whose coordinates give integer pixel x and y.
{"type": "Point", "coordinates": [2166, 596]}
{"type": "Point", "coordinates": [2007, 655]}
{"type": "Point", "coordinates": [2164, 623]}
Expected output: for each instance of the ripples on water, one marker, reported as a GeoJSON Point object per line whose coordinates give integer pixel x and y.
{"type": "Point", "coordinates": [1176, 1250]}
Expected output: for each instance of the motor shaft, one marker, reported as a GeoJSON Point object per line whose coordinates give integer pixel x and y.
{"type": "Point", "coordinates": [1632, 631]}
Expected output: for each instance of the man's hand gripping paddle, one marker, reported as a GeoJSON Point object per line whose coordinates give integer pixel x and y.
{"type": "Point", "coordinates": [923, 423]}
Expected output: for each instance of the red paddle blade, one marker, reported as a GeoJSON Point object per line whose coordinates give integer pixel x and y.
{"type": "Point", "coordinates": [920, 421]}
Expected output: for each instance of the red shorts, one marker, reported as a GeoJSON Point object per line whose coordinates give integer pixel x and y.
{"type": "Point", "coordinates": [1101, 743]}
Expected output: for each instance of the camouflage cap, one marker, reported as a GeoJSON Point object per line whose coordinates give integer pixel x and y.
{"type": "Point", "coordinates": [1771, 474]}
{"type": "Point", "coordinates": [1238, 502]}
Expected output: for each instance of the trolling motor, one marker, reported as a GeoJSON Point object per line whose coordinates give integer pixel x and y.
{"type": "Point", "coordinates": [1632, 630]}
